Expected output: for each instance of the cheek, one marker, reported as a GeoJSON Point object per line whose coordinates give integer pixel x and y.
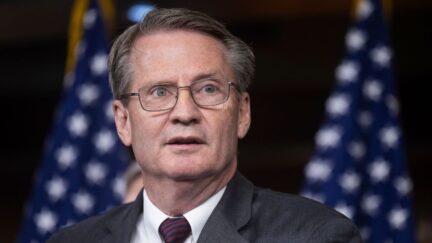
{"type": "Point", "coordinates": [145, 133]}
{"type": "Point", "coordinates": [226, 130]}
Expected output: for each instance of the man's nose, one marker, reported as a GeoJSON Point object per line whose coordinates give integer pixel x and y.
{"type": "Point", "coordinates": [186, 111]}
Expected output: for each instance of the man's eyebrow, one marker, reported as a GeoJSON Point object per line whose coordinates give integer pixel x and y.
{"type": "Point", "coordinates": [160, 82]}
{"type": "Point", "coordinates": [205, 76]}
{"type": "Point", "coordinates": [194, 79]}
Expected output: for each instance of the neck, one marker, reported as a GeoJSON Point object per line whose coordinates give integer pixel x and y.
{"type": "Point", "coordinates": [177, 197]}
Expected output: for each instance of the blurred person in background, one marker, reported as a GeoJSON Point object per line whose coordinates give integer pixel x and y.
{"type": "Point", "coordinates": [134, 182]}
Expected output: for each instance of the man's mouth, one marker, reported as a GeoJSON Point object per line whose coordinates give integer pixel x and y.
{"type": "Point", "coordinates": [185, 141]}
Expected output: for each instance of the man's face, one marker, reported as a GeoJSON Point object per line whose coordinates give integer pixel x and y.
{"type": "Point", "coordinates": [188, 142]}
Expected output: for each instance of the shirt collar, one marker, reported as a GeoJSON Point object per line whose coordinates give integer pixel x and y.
{"type": "Point", "coordinates": [153, 217]}
{"type": "Point", "coordinates": [196, 217]}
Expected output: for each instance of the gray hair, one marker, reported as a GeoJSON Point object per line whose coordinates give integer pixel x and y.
{"type": "Point", "coordinates": [239, 54]}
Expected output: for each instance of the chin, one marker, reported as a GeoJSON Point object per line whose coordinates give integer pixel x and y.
{"type": "Point", "coordinates": [190, 174]}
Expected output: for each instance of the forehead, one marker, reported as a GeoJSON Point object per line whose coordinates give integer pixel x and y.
{"type": "Point", "coordinates": [177, 55]}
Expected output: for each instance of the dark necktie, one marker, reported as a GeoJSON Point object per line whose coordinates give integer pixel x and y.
{"type": "Point", "coordinates": [175, 230]}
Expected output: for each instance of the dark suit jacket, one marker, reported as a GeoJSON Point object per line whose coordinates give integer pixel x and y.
{"type": "Point", "coordinates": [244, 214]}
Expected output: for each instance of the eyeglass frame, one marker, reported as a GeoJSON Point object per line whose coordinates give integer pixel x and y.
{"type": "Point", "coordinates": [128, 95]}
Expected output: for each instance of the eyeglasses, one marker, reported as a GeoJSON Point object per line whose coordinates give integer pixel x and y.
{"type": "Point", "coordinates": [205, 92]}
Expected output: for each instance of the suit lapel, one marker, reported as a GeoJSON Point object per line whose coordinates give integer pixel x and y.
{"type": "Point", "coordinates": [232, 213]}
{"type": "Point", "coordinates": [121, 227]}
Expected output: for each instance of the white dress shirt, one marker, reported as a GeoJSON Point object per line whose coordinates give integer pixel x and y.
{"type": "Point", "coordinates": [148, 224]}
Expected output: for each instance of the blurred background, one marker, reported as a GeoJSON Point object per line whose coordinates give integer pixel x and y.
{"type": "Point", "coordinates": [298, 45]}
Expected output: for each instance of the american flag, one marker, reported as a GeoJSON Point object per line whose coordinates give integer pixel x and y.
{"type": "Point", "coordinates": [83, 163]}
{"type": "Point", "coordinates": [358, 166]}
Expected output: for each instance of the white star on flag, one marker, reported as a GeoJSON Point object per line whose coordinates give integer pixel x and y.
{"type": "Point", "coordinates": [379, 170]}
{"type": "Point", "coordinates": [104, 141]}
{"type": "Point", "coordinates": [88, 93]}
{"type": "Point", "coordinates": [347, 72]}
{"type": "Point", "coordinates": [373, 89]}
{"type": "Point", "coordinates": [365, 119]}
{"type": "Point", "coordinates": [318, 170]}
{"type": "Point", "coordinates": [338, 104]}
{"type": "Point", "coordinates": [389, 136]}
{"type": "Point", "coordinates": [357, 150]}
{"type": "Point", "coordinates": [397, 218]}
{"type": "Point", "coordinates": [83, 202]}
{"type": "Point", "coordinates": [119, 187]}
{"type": "Point", "coordinates": [90, 18]}
{"type": "Point", "coordinates": [95, 172]}
{"type": "Point", "coordinates": [370, 204]}
{"type": "Point", "coordinates": [365, 9]}
{"type": "Point", "coordinates": [66, 156]}
{"type": "Point", "coordinates": [45, 221]}
{"type": "Point", "coordinates": [78, 124]}
{"type": "Point", "coordinates": [80, 48]}
{"type": "Point", "coordinates": [109, 111]}
{"type": "Point", "coordinates": [403, 185]}
{"type": "Point", "coordinates": [355, 39]}
{"type": "Point", "coordinates": [381, 55]}
{"type": "Point", "coordinates": [316, 197]}
{"type": "Point", "coordinates": [345, 210]}
{"type": "Point", "coordinates": [365, 232]}
{"type": "Point", "coordinates": [56, 188]}
{"type": "Point", "coordinates": [350, 181]}
{"type": "Point", "coordinates": [393, 104]}
{"type": "Point", "coordinates": [99, 64]}
{"type": "Point", "coordinates": [328, 137]}
{"type": "Point", "coordinates": [69, 222]}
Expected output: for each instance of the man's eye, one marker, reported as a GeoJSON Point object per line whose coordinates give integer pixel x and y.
{"type": "Point", "coordinates": [159, 91]}
{"type": "Point", "coordinates": [210, 89]}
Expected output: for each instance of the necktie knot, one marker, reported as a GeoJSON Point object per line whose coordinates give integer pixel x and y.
{"type": "Point", "coordinates": [175, 230]}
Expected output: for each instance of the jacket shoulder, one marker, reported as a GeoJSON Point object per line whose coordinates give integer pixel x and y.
{"type": "Point", "coordinates": [292, 205]}
{"type": "Point", "coordinates": [91, 229]}
{"type": "Point", "coordinates": [300, 219]}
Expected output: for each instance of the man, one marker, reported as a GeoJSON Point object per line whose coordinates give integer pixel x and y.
{"type": "Point", "coordinates": [179, 81]}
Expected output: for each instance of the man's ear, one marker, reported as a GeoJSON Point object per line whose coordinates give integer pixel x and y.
{"type": "Point", "coordinates": [244, 120]}
{"type": "Point", "coordinates": [122, 121]}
